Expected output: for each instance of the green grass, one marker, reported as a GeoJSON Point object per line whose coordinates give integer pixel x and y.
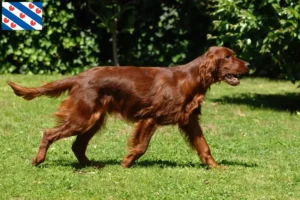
{"type": "Point", "coordinates": [253, 129]}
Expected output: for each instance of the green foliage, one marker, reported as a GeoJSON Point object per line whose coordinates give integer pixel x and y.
{"type": "Point", "coordinates": [79, 34]}
{"type": "Point", "coordinates": [61, 47]}
{"type": "Point", "coordinates": [84, 33]}
{"type": "Point", "coordinates": [267, 33]}
{"type": "Point", "coordinates": [110, 12]}
{"type": "Point", "coordinates": [165, 34]}
{"type": "Point", "coordinates": [162, 39]}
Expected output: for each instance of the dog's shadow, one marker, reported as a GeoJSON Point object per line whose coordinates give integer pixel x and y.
{"type": "Point", "coordinates": [278, 102]}
{"type": "Point", "coordinates": [146, 164]}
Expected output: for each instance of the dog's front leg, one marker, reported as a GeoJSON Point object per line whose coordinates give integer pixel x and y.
{"type": "Point", "coordinates": [195, 137]}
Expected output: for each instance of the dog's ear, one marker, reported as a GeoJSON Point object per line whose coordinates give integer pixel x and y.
{"type": "Point", "coordinates": [209, 68]}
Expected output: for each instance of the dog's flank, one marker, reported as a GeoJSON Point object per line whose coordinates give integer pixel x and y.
{"type": "Point", "coordinates": [149, 96]}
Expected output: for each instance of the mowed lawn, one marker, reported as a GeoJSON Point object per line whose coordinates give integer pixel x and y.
{"type": "Point", "coordinates": [253, 128]}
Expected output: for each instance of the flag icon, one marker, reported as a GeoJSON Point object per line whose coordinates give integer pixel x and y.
{"type": "Point", "coordinates": [22, 16]}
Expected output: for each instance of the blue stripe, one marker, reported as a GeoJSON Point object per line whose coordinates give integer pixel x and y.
{"type": "Point", "coordinates": [4, 27]}
{"type": "Point", "coordinates": [27, 12]}
{"type": "Point", "coordinates": [38, 4]}
{"type": "Point", "coordinates": [16, 20]}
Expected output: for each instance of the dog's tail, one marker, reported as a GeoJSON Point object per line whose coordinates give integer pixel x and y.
{"type": "Point", "coordinates": [52, 89]}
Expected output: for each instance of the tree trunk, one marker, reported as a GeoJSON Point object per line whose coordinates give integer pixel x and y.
{"type": "Point", "coordinates": [114, 33]}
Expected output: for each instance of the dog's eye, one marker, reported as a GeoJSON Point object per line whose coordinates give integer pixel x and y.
{"type": "Point", "coordinates": [227, 57]}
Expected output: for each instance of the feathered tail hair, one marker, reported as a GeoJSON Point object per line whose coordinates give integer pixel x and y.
{"type": "Point", "coordinates": [52, 89]}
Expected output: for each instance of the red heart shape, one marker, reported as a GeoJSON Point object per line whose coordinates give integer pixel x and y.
{"type": "Point", "coordinates": [6, 20]}
{"type": "Point", "coordinates": [38, 11]}
{"type": "Point", "coordinates": [32, 23]}
{"type": "Point", "coordinates": [22, 15]}
{"type": "Point", "coordinates": [11, 8]}
{"type": "Point", "coordinates": [31, 6]}
{"type": "Point", "coordinates": [13, 25]}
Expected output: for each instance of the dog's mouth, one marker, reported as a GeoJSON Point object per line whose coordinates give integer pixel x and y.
{"type": "Point", "coordinates": [231, 79]}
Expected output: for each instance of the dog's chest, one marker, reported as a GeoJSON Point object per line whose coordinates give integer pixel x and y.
{"type": "Point", "coordinates": [194, 103]}
{"type": "Point", "coordinates": [191, 107]}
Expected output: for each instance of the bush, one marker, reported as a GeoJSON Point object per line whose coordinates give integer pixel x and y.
{"type": "Point", "coordinates": [266, 33]}
{"type": "Point", "coordinates": [61, 47]}
{"type": "Point", "coordinates": [79, 34]}
{"type": "Point", "coordinates": [151, 33]}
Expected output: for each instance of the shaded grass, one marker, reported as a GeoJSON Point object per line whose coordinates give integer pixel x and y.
{"type": "Point", "coordinates": [280, 102]}
{"type": "Point", "coordinates": [253, 129]}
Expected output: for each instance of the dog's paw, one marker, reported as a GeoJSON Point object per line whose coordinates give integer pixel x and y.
{"type": "Point", "coordinates": [36, 161]}
{"type": "Point", "coordinates": [217, 167]}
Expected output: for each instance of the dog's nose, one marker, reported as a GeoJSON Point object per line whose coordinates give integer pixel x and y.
{"type": "Point", "coordinates": [247, 64]}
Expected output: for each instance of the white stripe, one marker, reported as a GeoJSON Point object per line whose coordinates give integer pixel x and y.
{"type": "Point", "coordinates": [9, 23]}
{"type": "Point", "coordinates": [26, 19]}
{"type": "Point", "coordinates": [26, 4]}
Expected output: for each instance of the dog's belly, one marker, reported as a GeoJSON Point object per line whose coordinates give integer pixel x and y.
{"type": "Point", "coordinates": [135, 110]}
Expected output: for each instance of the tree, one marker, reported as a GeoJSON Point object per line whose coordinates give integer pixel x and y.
{"type": "Point", "coordinates": [109, 13]}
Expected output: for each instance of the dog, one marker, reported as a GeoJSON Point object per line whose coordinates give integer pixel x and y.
{"type": "Point", "coordinates": [148, 96]}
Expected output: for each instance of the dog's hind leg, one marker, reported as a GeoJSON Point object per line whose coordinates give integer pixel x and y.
{"type": "Point", "coordinates": [139, 141]}
{"type": "Point", "coordinates": [76, 118]}
{"type": "Point", "coordinates": [50, 136]}
{"type": "Point", "coordinates": [80, 144]}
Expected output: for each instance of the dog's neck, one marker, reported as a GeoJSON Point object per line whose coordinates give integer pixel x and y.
{"type": "Point", "coordinates": [201, 75]}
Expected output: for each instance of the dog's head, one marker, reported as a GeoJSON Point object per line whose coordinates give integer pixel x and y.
{"type": "Point", "coordinates": [225, 65]}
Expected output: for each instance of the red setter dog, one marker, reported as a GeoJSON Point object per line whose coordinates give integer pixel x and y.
{"type": "Point", "coordinates": [149, 96]}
